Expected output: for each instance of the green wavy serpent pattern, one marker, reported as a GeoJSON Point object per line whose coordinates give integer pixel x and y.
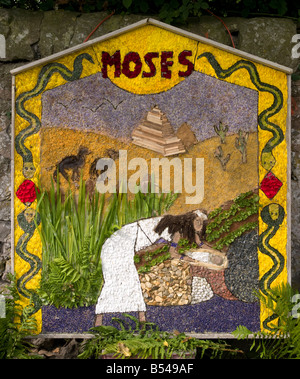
{"type": "Point", "coordinates": [28, 223]}
{"type": "Point", "coordinates": [272, 214]}
{"type": "Point", "coordinates": [34, 122]}
{"type": "Point", "coordinates": [25, 219]}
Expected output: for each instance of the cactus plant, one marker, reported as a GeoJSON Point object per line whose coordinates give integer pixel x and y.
{"type": "Point", "coordinates": [221, 131]}
{"type": "Point", "coordinates": [241, 144]}
{"type": "Point", "coordinates": [219, 154]}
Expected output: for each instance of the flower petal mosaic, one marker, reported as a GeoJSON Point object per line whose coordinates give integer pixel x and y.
{"type": "Point", "coordinates": [168, 156]}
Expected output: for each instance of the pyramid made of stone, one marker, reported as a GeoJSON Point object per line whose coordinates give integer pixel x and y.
{"type": "Point", "coordinates": [156, 133]}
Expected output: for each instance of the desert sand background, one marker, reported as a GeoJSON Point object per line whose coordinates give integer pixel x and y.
{"type": "Point", "coordinates": [219, 186]}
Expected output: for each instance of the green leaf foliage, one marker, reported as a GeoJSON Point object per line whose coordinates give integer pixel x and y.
{"type": "Point", "coordinates": [127, 3]}
{"type": "Point", "coordinates": [219, 228]}
{"type": "Point", "coordinates": [135, 339]}
{"type": "Point", "coordinates": [284, 341]}
{"type": "Point", "coordinates": [170, 11]}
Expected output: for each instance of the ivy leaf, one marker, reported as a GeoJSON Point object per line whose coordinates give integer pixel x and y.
{"type": "Point", "coordinates": [204, 5]}
{"type": "Point", "coordinates": [296, 76]}
{"type": "Point", "coordinates": [158, 3]}
{"type": "Point", "coordinates": [127, 3]}
{"type": "Point", "coordinates": [144, 6]}
{"type": "Point", "coordinates": [6, 3]}
{"type": "Point", "coordinates": [280, 6]}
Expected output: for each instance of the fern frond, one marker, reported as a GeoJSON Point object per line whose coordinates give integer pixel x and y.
{"type": "Point", "coordinates": [284, 341]}
{"type": "Point", "coordinates": [17, 324]}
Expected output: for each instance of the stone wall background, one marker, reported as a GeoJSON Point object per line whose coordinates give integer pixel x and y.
{"type": "Point", "coordinates": [34, 35]}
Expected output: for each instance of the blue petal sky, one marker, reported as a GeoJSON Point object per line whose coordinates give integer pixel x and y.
{"type": "Point", "coordinates": [96, 104]}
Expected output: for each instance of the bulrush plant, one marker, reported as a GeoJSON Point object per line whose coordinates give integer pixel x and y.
{"type": "Point", "coordinates": [71, 241]}
{"type": "Point", "coordinates": [73, 230]}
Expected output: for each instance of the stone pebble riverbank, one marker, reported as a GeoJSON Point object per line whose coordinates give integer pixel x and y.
{"type": "Point", "coordinates": [177, 282]}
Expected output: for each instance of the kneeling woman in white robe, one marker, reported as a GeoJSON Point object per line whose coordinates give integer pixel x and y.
{"type": "Point", "coordinates": [122, 291]}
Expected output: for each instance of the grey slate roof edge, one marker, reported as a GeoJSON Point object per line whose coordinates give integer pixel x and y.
{"type": "Point", "coordinates": [150, 21]}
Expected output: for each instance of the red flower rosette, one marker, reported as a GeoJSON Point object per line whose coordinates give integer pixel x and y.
{"type": "Point", "coordinates": [27, 192]}
{"type": "Point", "coordinates": [270, 185]}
